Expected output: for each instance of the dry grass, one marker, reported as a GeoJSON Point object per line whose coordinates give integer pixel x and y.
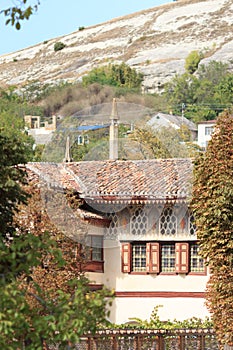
{"type": "Point", "coordinates": [75, 60]}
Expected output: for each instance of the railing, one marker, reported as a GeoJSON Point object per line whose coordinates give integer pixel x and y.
{"type": "Point", "coordinates": [179, 339]}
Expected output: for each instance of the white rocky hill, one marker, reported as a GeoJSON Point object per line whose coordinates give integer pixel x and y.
{"type": "Point", "coordinates": [155, 41]}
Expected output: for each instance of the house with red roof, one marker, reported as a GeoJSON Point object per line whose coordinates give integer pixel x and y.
{"type": "Point", "coordinates": [136, 225]}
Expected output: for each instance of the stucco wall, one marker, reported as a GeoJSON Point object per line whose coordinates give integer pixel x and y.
{"type": "Point", "coordinates": [126, 306]}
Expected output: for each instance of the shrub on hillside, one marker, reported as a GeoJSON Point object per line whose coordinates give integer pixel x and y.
{"type": "Point", "coordinates": [120, 75]}
{"type": "Point", "coordinates": [59, 46]}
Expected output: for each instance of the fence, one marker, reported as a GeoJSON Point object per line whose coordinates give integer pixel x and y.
{"type": "Point", "coordinates": [179, 339]}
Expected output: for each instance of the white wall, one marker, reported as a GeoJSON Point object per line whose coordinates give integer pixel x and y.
{"type": "Point", "coordinates": [126, 307]}
{"type": "Point", "coordinates": [203, 139]}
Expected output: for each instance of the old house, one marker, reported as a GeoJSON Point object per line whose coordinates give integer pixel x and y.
{"type": "Point", "coordinates": [140, 233]}
{"type": "Point", "coordinates": [161, 120]}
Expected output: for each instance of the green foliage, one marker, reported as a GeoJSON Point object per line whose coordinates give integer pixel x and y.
{"type": "Point", "coordinates": [62, 322]}
{"type": "Point", "coordinates": [205, 95]}
{"type": "Point", "coordinates": [214, 72]}
{"type": "Point", "coordinates": [16, 14]}
{"type": "Point", "coordinates": [156, 323]}
{"type": "Point", "coordinates": [163, 142]}
{"type": "Point", "coordinates": [59, 46]}
{"type": "Point", "coordinates": [60, 316]}
{"type": "Point", "coordinates": [14, 150]}
{"type": "Point", "coordinates": [116, 75]}
{"type": "Point", "coordinates": [81, 28]}
{"type": "Point", "coordinates": [224, 92]}
{"type": "Point", "coordinates": [192, 61]}
{"type": "Point", "coordinates": [213, 209]}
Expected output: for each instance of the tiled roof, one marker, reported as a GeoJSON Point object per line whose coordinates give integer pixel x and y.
{"type": "Point", "coordinates": [162, 119]}
{"type": "Point", "coordinates": [111, 181]}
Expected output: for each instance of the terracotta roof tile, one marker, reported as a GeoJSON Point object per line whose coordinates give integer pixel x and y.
{"type": "Point", "coordinates": [157, 179]}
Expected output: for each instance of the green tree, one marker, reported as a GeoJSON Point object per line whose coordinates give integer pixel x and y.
{"type": "Point", "coordinates": [162, 142]}
{"type": "Point", "coordinates": [13, 152]}
{"type": "Point", "coordinates": [212, 204]}
{"type": "Point", "coordinates": [214, 71]}
{"type": "Point", "coordinates": [224, 91]}
{"type": "Point", "coordinates": [192, 61]}
{"type": "Point", "coordinates": [120, 75]}
{"type": "Point", "coordinates": [33, 314]}
{"type": "Point", "coordinates": [181, 90]}
{"type": "Point", "coordinates": [205, 95]}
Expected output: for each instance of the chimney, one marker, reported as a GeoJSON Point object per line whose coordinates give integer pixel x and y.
{"type": "Point", "coordinates": [54, 122]}
{"type": "Point", "coordinates": [67, 158]}
{"type": "Point", "coordinates": [113, 132]}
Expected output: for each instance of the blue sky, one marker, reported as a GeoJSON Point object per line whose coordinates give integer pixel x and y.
{"type": "Point", "coordinates": [59, 17]}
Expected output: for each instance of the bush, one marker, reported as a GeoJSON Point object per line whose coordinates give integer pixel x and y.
{"type": "Point", "coordinates": [192, 61]}
{"type": "Point", "coordinates": [120, 75]}
{"type": "Point", "coordinates": [59, 46]}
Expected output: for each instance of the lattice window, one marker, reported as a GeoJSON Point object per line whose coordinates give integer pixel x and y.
{"type": "Point", "coordinates": [168, 222]}
{"type": "Point", "coordinates": [192, 226]}
{"type": "Point", "coordinates": [139, 222]}
{"type": "Point", "coordinates": [112, 231]}
{"type": "Point", "coordinates": [139, 257]}
{"type": "Point", "coordinates": [196, 262]}
{"type": "Point", "coordinates": [168, 257]}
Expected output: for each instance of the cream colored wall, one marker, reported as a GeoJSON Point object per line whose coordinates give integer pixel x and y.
{"type": "Point", "coordinates": [124, 307]}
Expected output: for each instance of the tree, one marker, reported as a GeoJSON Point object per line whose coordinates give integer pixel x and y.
{"type": "Point", "coordinates": [13, 152]}
{"type": "Point", "coordinates": [213, 72]}
{"type": "Point", "coordinates": [192, 61]}
{"type": "Point", "coordinates": [18, 13]}
{"type": "Point", "coordinates": [224, 90]}
{"type": "Point", "coordinates": [162, 142]}
{"type": "Point", "coordinates": [120, 75]}
{"type": "Point", "coordinates": [212, 204]}
{"type": "Point", "coordinates": [45, 298]}
{"type": "Point", "coordinates": [181, 89]}
{"type": "Point", "coordinates": [205, 94]}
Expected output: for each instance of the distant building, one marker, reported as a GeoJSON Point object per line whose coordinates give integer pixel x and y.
{"type": "Point", "coordinates": [40, 131]}
{"type": "Point", "coordinates": [205, 130]}
{"type": "Point", "coordinates": [174, 121]}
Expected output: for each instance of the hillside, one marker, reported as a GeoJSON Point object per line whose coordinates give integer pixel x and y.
{"type": "Point", "coordinates": [154, 41]}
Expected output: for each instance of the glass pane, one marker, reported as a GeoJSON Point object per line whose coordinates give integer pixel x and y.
{"type": "Point", "coordinates": [139, 257]}
{"type": "Point", "coordinates": [168, 258]}
{"type": "Point", "coordinates": [196, 262]}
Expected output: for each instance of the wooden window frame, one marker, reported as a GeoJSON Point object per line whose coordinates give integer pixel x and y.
{"type": "Point", "coordinates": [92, 265]}
{"type": "Point", "coordinates": [154, 258]}
{"type": "Point", "coordinates": [198, 273]}
{"type": "Point", "coordinates": [162, 244]}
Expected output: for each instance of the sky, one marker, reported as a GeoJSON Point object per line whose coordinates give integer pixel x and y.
{"type": "Point", "coordinates": [58, 17]}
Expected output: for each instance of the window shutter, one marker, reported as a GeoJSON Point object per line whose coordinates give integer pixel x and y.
{"type": "Point", "coordinates": [126, 257]}
{"type": "Point", "coordinates": [152, 257]}
{"type": "Point", "coordinates": [182, 257]}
